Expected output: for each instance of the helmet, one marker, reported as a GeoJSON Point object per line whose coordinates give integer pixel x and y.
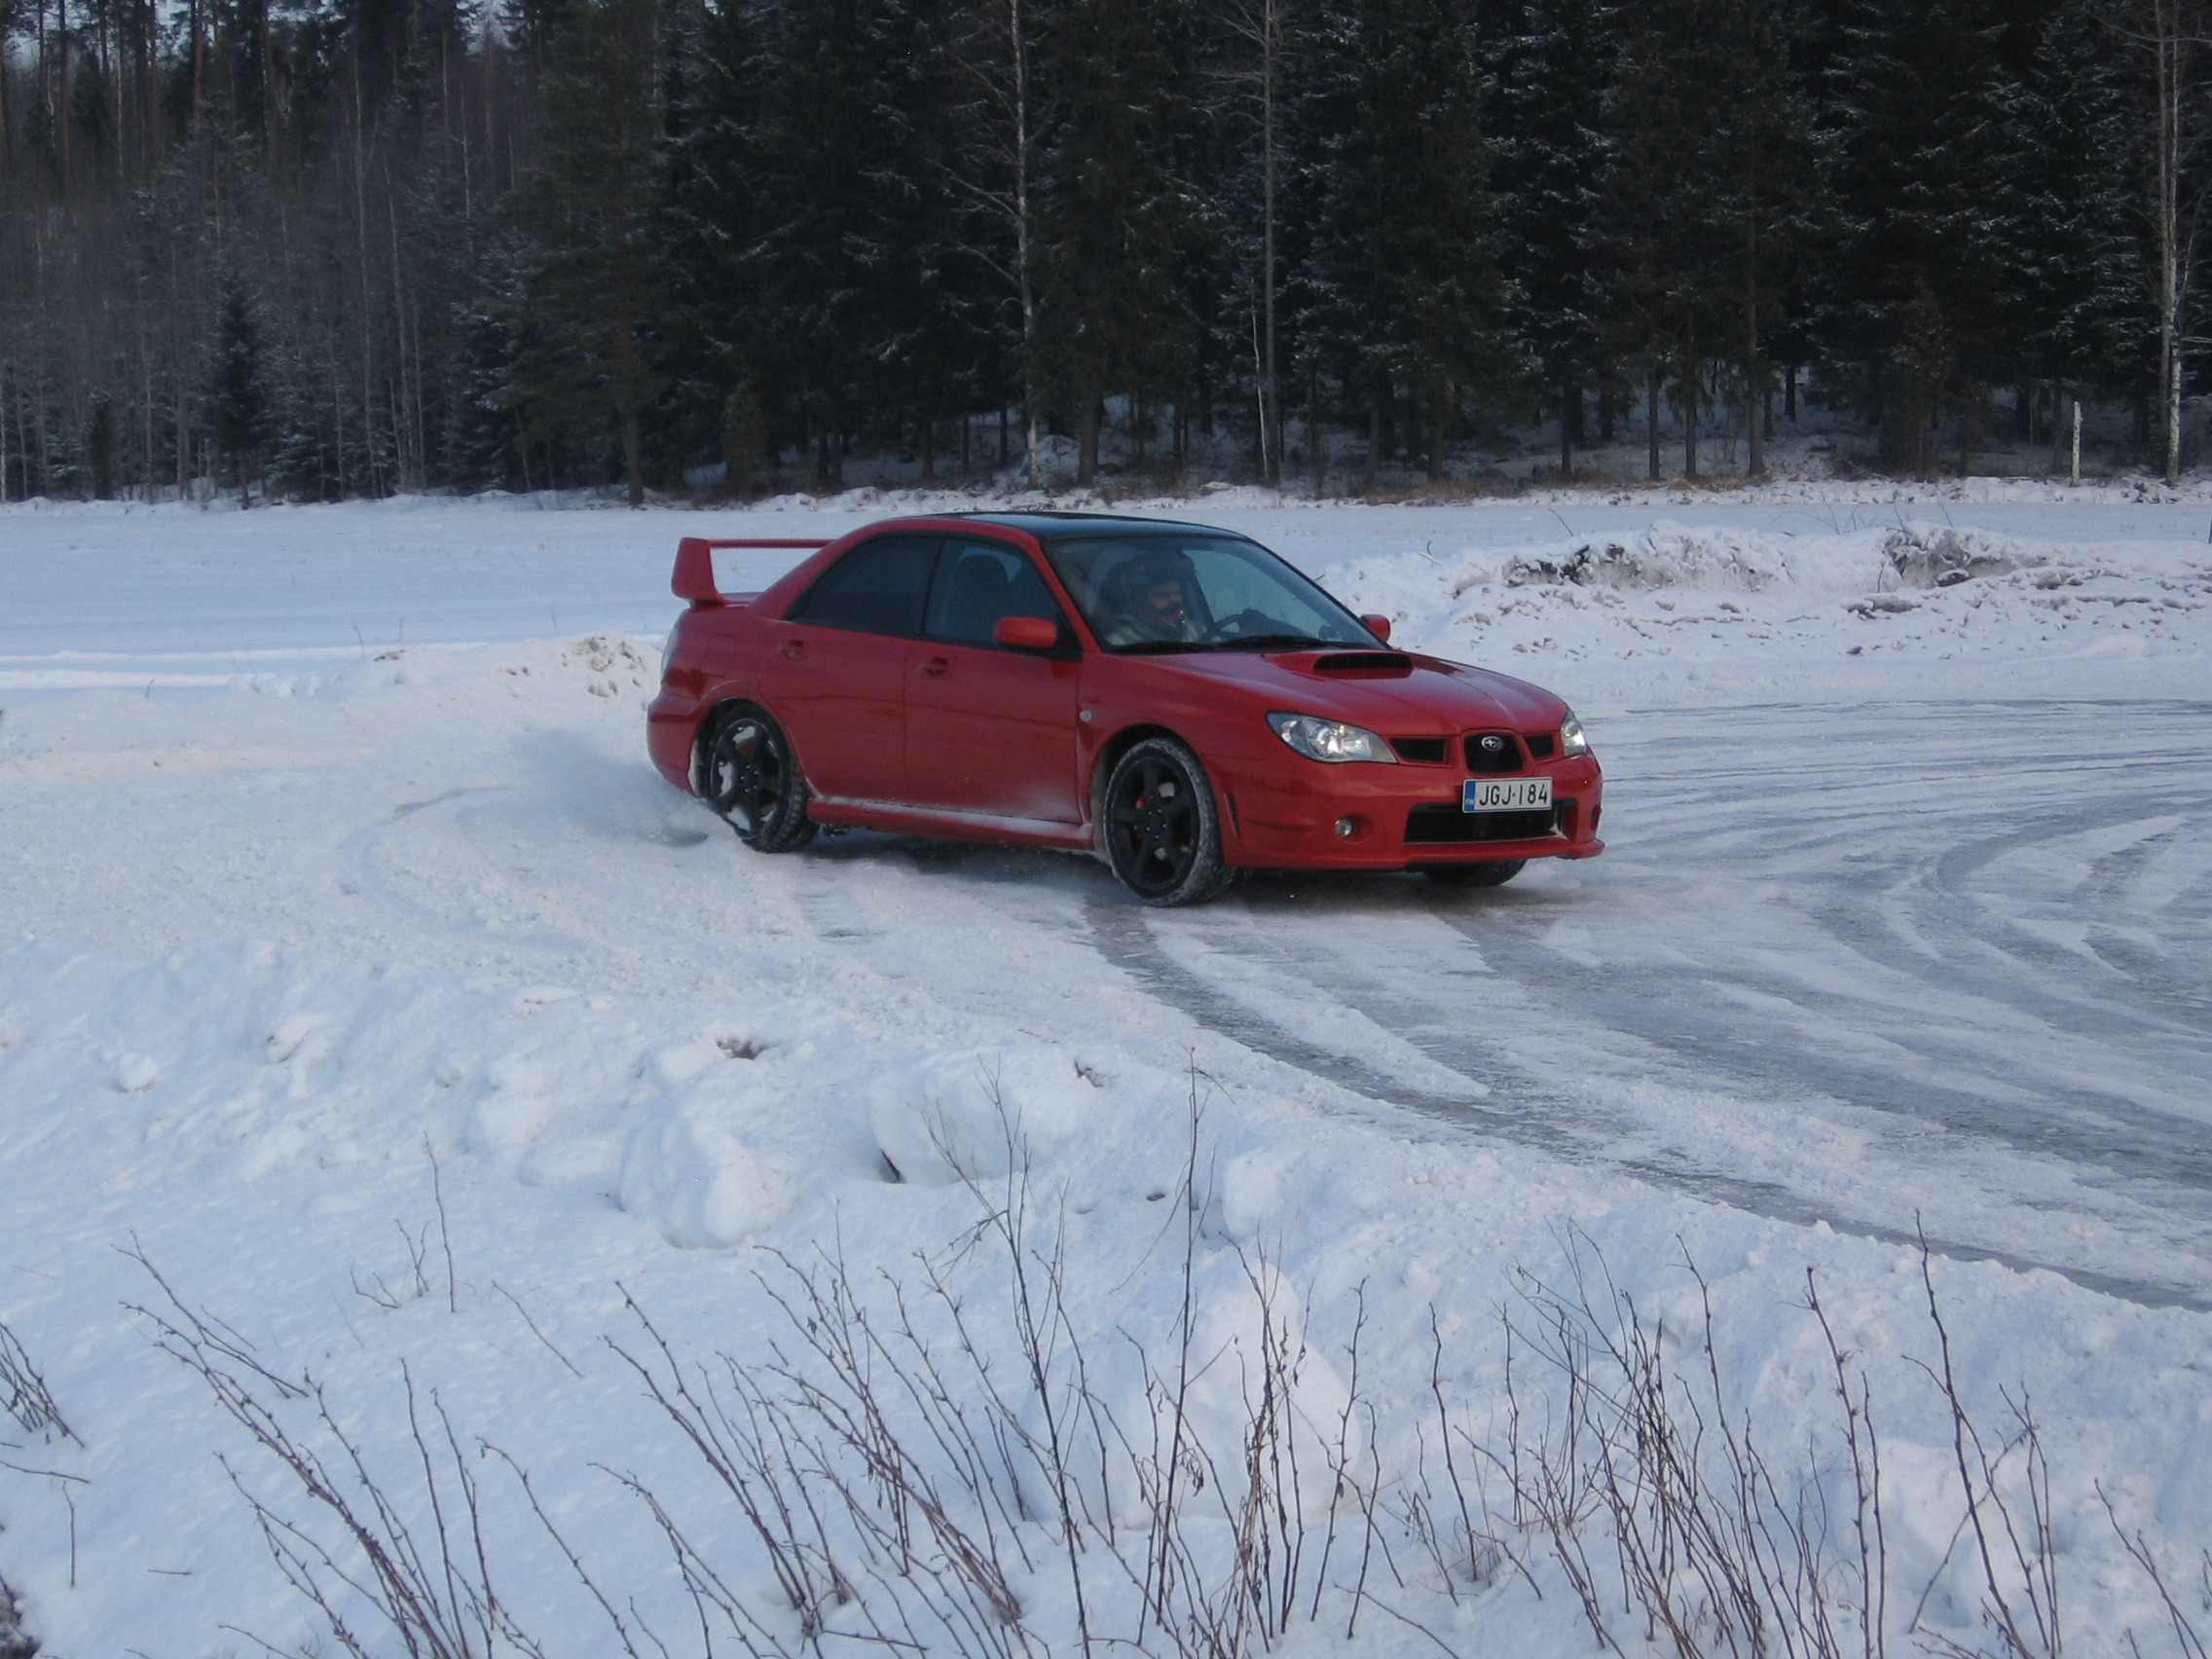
{"type": "Point", "coordinates": [1148, 568]}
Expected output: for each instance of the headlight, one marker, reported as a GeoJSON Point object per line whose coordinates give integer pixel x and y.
{"type": "Point", "coordinates": [1571, 739]}
{"type": "Point", "coordinates": [1332, 741]}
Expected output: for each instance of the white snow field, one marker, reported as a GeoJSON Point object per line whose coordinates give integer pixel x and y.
{"type": "Point", "coordinates": [1343, 1268]}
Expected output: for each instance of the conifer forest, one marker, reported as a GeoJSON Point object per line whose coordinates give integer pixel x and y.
{"type": "Point", "coordinates": [327, 248]}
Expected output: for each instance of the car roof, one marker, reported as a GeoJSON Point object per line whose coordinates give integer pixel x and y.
{"type": "Point", "coordinates": [1047, 525]}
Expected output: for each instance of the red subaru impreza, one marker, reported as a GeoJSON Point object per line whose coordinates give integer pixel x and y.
{"type": "Point", "coordinates": [1174, 698]}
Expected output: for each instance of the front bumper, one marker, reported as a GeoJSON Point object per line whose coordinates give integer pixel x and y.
{"type": "Point", "coordinates": [1400, 817]}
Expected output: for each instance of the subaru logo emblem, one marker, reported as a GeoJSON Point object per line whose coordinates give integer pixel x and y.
{"type": "Point", "coordinates": [1493, 745]}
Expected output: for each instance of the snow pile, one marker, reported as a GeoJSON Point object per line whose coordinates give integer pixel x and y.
{"type": "Point", "coordinates": [1747, 613]}
{"type": "Point", "coordinates": [980, 1113]}
{"type": "Point", "coordinates": [1673, 556]}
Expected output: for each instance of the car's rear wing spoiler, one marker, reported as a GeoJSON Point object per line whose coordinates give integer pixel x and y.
{"type": "Point", "coordinates": [694, 577]}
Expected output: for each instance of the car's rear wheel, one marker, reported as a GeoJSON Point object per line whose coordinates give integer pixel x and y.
{"type": "Point", "coordinates": [1497, 872]}
{"type": "Point", "coordinates": [1162, 834]}
{"type": "Point", "coordinates": [752, 780]}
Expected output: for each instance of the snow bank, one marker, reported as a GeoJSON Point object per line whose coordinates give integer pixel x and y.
{"type": "Point", "coordinates": [1673, 556]}
{"type": "Point", "coordinates": [979, 1112]}
{"type": "Point", "coordinates": [1702, 613]}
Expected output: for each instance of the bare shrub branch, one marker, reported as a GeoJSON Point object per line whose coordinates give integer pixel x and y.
{"type": "Point", "coordinates": [30, 1402]}
{"type": "Point", "coordinates": [431, 1587]}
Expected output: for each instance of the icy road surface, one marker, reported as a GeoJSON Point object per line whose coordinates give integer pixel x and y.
{"type": "Point", "coordinates": [1832, 969]}
{"type": "Point", "coordinates": [1839, 965]}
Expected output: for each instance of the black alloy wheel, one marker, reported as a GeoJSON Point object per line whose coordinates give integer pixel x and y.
{"type": "Point", "coordinates": [752, 781]}
{"type": "Point", "coordinates": [1162, 834]}
{"type": "Point", "coordinates": [1497, 872]}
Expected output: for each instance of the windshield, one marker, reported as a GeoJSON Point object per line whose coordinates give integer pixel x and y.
{"type": "Point", "coordinates": [1160, 592]}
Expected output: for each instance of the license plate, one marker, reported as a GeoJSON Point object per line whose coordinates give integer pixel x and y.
{"type": "Point", "coordinates": [1506, 794]}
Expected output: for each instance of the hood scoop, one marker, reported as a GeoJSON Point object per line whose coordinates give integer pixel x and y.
{"type": "Point", "coordinates": [1364, 662]}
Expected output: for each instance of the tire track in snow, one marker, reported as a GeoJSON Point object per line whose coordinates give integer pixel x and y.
{"type": "Point", "coordinates": [2058, 1082]}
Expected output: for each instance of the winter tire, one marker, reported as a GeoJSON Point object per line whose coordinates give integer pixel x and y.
{"type": "Point", "coordinates": [749, 777]}
{"type": "Point", "coordinates": [1161, 830]}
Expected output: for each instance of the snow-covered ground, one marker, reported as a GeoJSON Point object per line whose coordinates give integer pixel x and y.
{"type": "Point", "coordinates": [359, 974]}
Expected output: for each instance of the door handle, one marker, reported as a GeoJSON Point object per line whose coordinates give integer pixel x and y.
{"type": "Point", "coordinates": [937, 668]}
{"type": "Point", "coordinates": [791, 648]}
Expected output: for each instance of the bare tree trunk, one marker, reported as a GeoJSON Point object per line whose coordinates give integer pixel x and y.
{"type": "Point", "coordinates": [627, 373]}
{"type": "Point", "coordinates": [1689, 402]}
{"type": "Point", "coordinates": [2167, 47]}
{"type": "Point", "coordinates": [1754, 454]}
{"type": "Point", "coordinates": [1569, 394]}
{"type": "Point", "coordinates": [62, 114]}
{"type": "Point", "coordinates": [1022, 233]}
{"type": "Point", "coordinates": [1316, 435]}
{"type": "Point", "coordinates": [1271, 412]}
{"type": "Point", "coordinates": [373, 471]}
{"type": "Point", "coordinates": [1086, 438]}
{"type": "Point", "coordinates": [1651, 390]}
{"type": "Point", "coordinates": [199, 62]}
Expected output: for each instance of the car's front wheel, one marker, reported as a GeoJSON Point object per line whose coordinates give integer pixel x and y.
{"type": "Point", "coordinates": [1162, 834]}
{"type": "Point", "coordinates": [752, 780]}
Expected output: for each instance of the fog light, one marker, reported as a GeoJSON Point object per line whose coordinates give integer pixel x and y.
{"type": "Point", "coordinates": [1347, 829]}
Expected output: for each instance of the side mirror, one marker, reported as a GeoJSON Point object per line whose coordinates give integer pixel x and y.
{"type": "Point", "coordinates": [1027, 633]}
{"type": "Point", "coordinates": [1379, 626]}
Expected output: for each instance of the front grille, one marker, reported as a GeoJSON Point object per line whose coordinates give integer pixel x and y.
{"type": "Point", "coordinates": [1446, 823]}
{"type": "Point", "coordinates": [1541, 744]}
{"type": "Point", "coordinates": [1504, 757]}
{"type": "Point", "coordinates": [1429, 751]}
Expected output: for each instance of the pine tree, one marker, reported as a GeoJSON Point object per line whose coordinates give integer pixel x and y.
{"type": "Point", "coordinates": [926, 302]}
{"type": "Point", "coordinates": [1770, 204]}
{"type": "Point", "coordinates": [1550, 65]}
{"type": "Point", "coordinates": [1667, 226]}
{"type": "Point", "coordinates": [712, 213]}
{"type": "Point", "coordinates": [238, 409]}
{"type": "Point", "coordinates": [1916, 323]}
{"type": "Point", "coordinates": [99, 444]}
{"type": "Point", "coordinates": [2071, 235]}
{"type": "Point", "coordinates": [1113, 212]}
{"type": "Point", "coordinates": [1401, 289]}
{"type": "Point", "coordinates": [592, 288]}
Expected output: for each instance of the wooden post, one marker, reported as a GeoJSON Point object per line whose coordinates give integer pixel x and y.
{"type": "Point", "coordinates": [2076, 478]}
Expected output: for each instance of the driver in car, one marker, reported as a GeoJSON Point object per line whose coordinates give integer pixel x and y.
{"type": "Point", "coordinates": [1151, 601]}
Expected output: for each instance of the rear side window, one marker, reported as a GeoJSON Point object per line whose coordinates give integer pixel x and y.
{"type": "Point", "coordinates": [877, 588]}
{"type": "Point", "coordinates": [980, 582]}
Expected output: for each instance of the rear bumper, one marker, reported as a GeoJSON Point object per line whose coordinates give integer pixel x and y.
{"type": "Point", "coordinates": [1396, 816]}
{"type": "Point", "coordinates": [671, 733]}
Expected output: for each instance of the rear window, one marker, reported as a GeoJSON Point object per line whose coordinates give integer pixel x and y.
{"type": "Point", "coordinates": [877, 588]}
{"type": "Point", "coordinates": [978, 584]}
